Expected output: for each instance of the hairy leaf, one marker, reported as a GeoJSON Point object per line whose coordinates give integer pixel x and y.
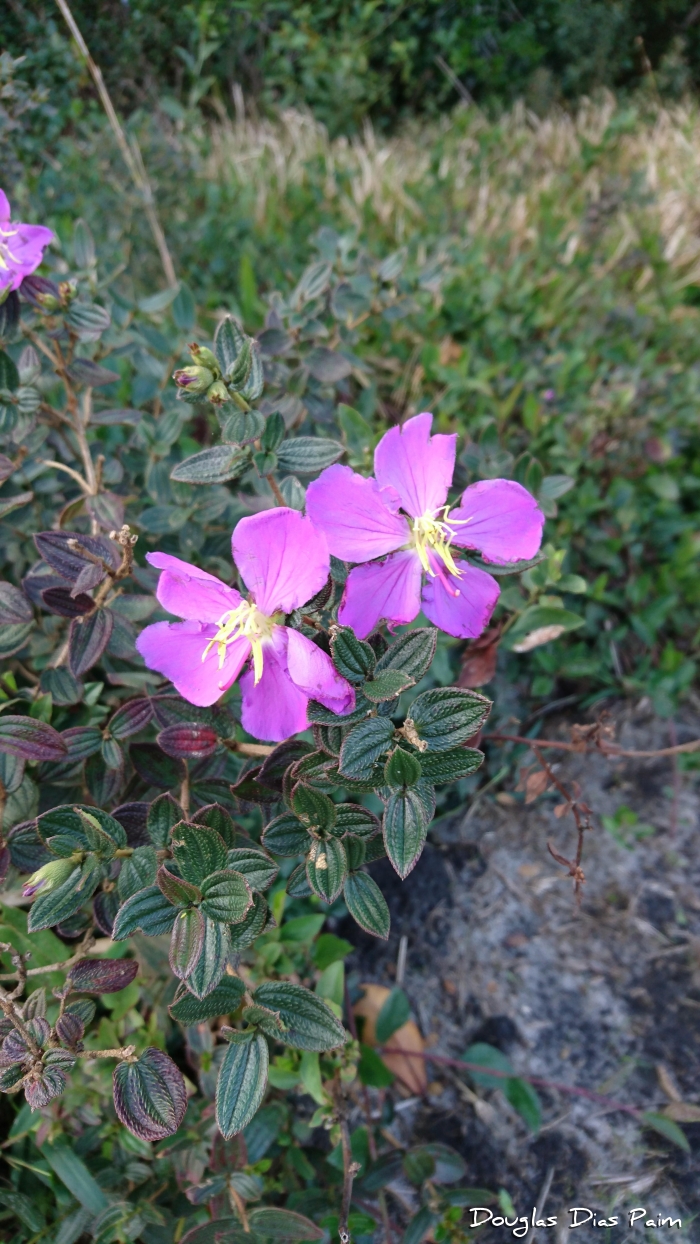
{"type": "Point", "coordinates": [242, 1082]}
{"type": "Point", "coordinates": [367, 905]}
{"type": "Point", "coordinates": [150, 1096]}
{"type": "Point", "coordinates": [309, 1023]}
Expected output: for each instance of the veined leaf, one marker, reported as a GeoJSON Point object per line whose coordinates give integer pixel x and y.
{"type": "Point", "coordinates": [242, 1082]}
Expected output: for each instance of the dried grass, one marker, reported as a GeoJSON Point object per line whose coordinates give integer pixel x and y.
{"type": "Point", "coordinates": [490, 178]}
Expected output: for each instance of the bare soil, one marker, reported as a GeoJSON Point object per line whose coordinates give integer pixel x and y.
{"type": "Point", "coordinates": [604, 996]}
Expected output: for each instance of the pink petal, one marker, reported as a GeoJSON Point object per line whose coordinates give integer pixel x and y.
{"type": "Point", "coordinates": [389, 589]}
{"type": "Point", "coordinates": [190, 592]}
{"type": "Point", "coordinates": [502, 520]}
{"type": "Point", "coordinates": [460, 606]}
{"type": "Point", "coordinates": [274, 709]}
{"type": "Point", "coordinates": [419, 466]}
{"type": "Point", "coordinates": [5, 210]}
{"type": "Point", "coordinates": [282, 558]}
{"type": "Point", "coordinates": [175, 650]}
{"type": "Point", "coordinates": [357, 517]}
{"type": "Point", "coordinates": [313, 672]}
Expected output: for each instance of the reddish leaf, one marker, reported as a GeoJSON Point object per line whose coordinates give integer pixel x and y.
{"type": "Point", "coordinates": [82, 741]}
{"type": "Point", "coordinates": [188, 741]}
{"type": "Point", "coordinates": [88, 639]}
{"type": "Point", "coordinates": [32, 740]}
{"type": "Point", "coordinates": [60, 600]}
{"type": "Point", "coordinates": [155, 767]}
{"type": "Point", "coordinates": [479, 660]}
{"type": "Point", "coordinates": [90, 575]}
{"type": "Point", "coordinates": [102, 975]}
{"type": "Point", "coordinates": [55, 548]}
{"type": "Point", "coordinates": [70, 1029]}
{"type": "Point", "coordinates": [130, 718]}
{"type": "Point", "coordinates": [150, 1096]}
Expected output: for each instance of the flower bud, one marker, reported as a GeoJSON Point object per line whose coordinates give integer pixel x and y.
{"type": "Point", "coordinates": [193, 379]}
{"type": "Point", "coordinates": [40, 292]}
{"type": "Point", "coordinates": [67, 291]}
{"type": "Point", "coordinates": [217, 393]}
{"type": "Point", "coordinates": [50, 876]}
{"type": "Point", "coordinates": [204, 357]}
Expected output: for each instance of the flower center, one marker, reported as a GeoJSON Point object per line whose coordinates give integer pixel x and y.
{"type": "Point", "coordinates": [5, 251]}
{"type": "Point", "coordinates": [244, 622]}
{"type": "Point", "coordinates": [436, 535]}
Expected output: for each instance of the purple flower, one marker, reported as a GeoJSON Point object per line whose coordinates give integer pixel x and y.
{"type": "Point", "coordinates": [21, 248]}
{"type": "Point", "coordinates": [283, 562]}
{"type": "Point", "coordinates": [401, 518]}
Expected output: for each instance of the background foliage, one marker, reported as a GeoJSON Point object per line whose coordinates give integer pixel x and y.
{"type": "Point", "coordinates": [348, 61]}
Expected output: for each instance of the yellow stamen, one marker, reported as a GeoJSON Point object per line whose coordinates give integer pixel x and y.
{"type": "Point", "coordinates": [244, 622]}
{"type": "Point", "coordinates": [437, 535]}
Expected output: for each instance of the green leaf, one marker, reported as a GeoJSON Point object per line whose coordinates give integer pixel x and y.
{"type": "Point", "coordinates": [309, 1023]}
{"type": "Point", "coordinates": [215, 817]}
{"type": "Point", "coordinates": [305, 455]}
{"type": "Point", "coordinates": [276, 764]}
{"type": "Point", "coordinates": [179, 892]}
{"type": "Point", "coordinates": [373, 1071]}
{"type": "Point", "coordinates": [247, 930]}
{"type": "Point", "coordinates": [148, 910]}
{"type": "Point", "coordinates": [223, 1000]}
{"type": "Point", "coordinates": [405, 830]}
{"type": "Point", "coordinates": [356, 431]}
{"type": "Point", "coordinates": [387, 684]}
{"type": "Point", "coordinates": [205, 974]}
{"type": "Point", "coordinates": [297, 884]}
{"type": "Point", "coordinates": [447, 716]}
{"type": "Point", "coordinates": [274, 432]}
{"type": "Point", "coordinates": [74, 1175]}
{"type": "Point", "coordinates": [666, 1127]}
{"type": "Point", "coordinates": [59, 904]}
{"type": "Point", "coordinates": [9, 376]}
{"type": "Point", "coordinates": [420, 1225]}
{"type": "Point", "coordinates": [450, 766]}
{"type": "Point", "coordinates": [363, 746]}
{"type": "Point", "coordinates": [367, 904]}
{"type": "Point", "coordinates": [352, 818]}
{"type": "Point", "coordinates": [352, 657]}
{"type": "Point", "coordinates": [524, 1099]}
{"type": "Point", "coordinates": [326, 869]}
{"type": "Point", "coordinates": [229, 340]}
{"type": "Point", "coordinates": [355, 851]}
{"type": "Point", "coordinates": [226, 896]}
{"type": "Point", "coordinates": [286, 835]}
{"type": "Point", "coordinates": [284, 1226]}
{"type": "Point", "coordinates": [163, 814]}
{"type": "Point", "coordinates": [241, 1084]}
{"type": "Point", "coordinates": [215, 465]}
{"type": "Point", "coordinates": [240, 427]}
{"type": "Point", "coordinates": [198, 851]}
{"type": "Point", "coordinates": [488, 1057]}
{"type": "Point", "coordinates": [330, 949]}
{"type": "Point", "coordinates": [150, 1097]}
{"type": "Point", "coordinates": [257, 867]}
{"type": "Point", "coordinates": [186, 941]}
{"type": "Point", "coordinates": [395, 1012]}
{"type": "Point", "coordinates": [313, 808]}
{"type": "Point", "coordinates": [539, 625]}
{"type": "Point", "coordinates": [137, 872]}
{"type": "Point", "coordinates": [183, 308]}
{"type": "Point", "coordinates": [402, 769]}
{"type": "Point", "coordinates": [412, 653]}
{"type": "Point", "coordinates": [301, 928]}
{"type": "Point", "coordinates": [322, 716]}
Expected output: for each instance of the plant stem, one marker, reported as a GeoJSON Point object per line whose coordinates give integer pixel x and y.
{"type": "Point", "coordinates": [126, 1051]}
{"type": "Point", "coordinates": [131, 154]}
